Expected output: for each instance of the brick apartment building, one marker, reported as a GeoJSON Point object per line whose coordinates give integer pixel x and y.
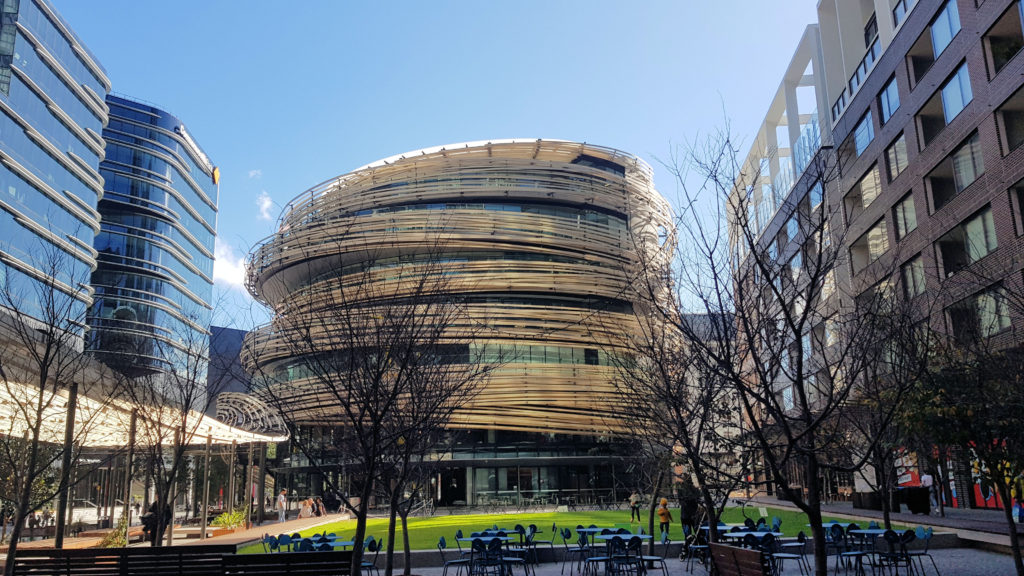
{"type": "Point", "coordinates": [920, 106]}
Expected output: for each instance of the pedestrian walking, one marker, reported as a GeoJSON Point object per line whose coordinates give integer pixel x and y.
{"type": "Point", "coordinates": [928, 482]}
{"type": "Point", "coordinates": [282, 505]}
{"type": "Point", "coordinates": [634, 506]}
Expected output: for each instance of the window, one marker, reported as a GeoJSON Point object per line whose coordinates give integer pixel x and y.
{"type": "Point", "coordinates": [905, 216]}
{"type": "Point", "coordinates": [982, 315]}
{"type": "Point", "coordinates": [958, 171]}
{"type": "Point", "coordinates": [880, 293]}
{"type": "Point", "coordinates": [980, 235]}
{"type": "Point", "coordinates": [792, 228]}
{"type": "Point", "coordinates": [870, 31]}
{"type": "Point", "coordinates": [1010, 116]}
{"type": "Point", "coordinates": [863, 193]}
{"type": "Point", "coordinates": [787, 398]}
{"type": "Point", "coordinates": [889, 100]}
{"type": "Point", "coordinates": [913, 276]}
{"type": "Point", "coordinates": [1004, 39]}
{"type": "Point", "coordinates": [944, 27]}
{"type": "Point", "coordinates": [869, 247]}
{"type": "Point", "coordinates": [816, 195]}
{"type": "Point", "coordinates": [864, 133]}
{"type": "Point", "coordinates": [795, 264]}
{"type": "Point", "coordinates": [828, 285]}
{"type": "Point", "coordinates": [956, 93]}
{"type": "Point", "coordinates": [1017, 204]}
{"type": "Point", "coordinates": [896, 157]}
{"type": "Point", "coordinates": [8, 33]}
{"type": "Point", "coordinates": [831, 333]}
{"type": "Point", "coordinates": [951, 98]}
{"type": "Point", "coordinates": [933, 41]}
{"type": "Point", "coordinates": [968, 242]}
{"type": "Point", "coordinates": [993, 313]}
{"type": "Point", "coordinates": [968, 163]}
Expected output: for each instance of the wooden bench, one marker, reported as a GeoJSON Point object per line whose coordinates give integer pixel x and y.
{"type": "Point", "coordinates": [147, 561]}
{"type": "Point", "coordinates": [733, 561]}
{"type": "Point", "coordinates": [327, 563]}
{"type": "Point", "coordinates": [134, 533]}
{"type": "Point", "coordinates": [211, 532]}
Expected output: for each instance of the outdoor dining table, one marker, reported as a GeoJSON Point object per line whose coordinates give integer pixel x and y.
{"type": "Point", "coordinates": [591, 532]}
{"type": "Point", "coordinates": [471, 538]}
{"type": "Point", "coordinates": [829, 525]}
{"type": "Point", "coordinates": [758, 534]}
{"type": "Point", "coordinates": [722, 528]}
{"type": "Point", "coordinates": [623, 536]}
{"type": "Point", "coordinates": [871, 533]}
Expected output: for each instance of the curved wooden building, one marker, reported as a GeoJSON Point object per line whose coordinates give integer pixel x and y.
{"type": "Point", "coordinates": [538, 238]}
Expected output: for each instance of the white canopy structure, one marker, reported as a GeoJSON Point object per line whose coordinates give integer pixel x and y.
{"type": "Point", "coordinates": [107, 423]}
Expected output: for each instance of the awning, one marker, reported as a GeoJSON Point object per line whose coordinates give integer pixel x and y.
{"type": "Point", "coordinates": [107, 423]}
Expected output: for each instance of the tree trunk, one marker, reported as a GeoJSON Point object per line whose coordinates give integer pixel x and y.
{"type": "Point", "coordinates": [406, 552]}
{"type": "Point", "coordinates": [65, 470]}
{"type": "Point", "coordinates": [712, 514]}
{"type": "Point", "coordinates": [389, 560]}
{"type": "Point", "coordinates": [360, 535]}
{"type": "Point", "coordinates": [1004, 493]}
{"type": "Point", "coordinates": [25, 498]}
{"type": "Point", "coordinates": [885, 489]}
{"type": "Point", "coordinates": [650, 512]}
{"type": "Point", "coordinates": [12, 546]}
{"type": "Point", "coordinates": [813, 503]}
{"type": "Point", "coordinates": [818, 542]}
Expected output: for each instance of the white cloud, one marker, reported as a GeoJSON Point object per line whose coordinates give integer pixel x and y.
{"type": "Point", "coordinates": [228, 267]}
{"type": "Point", "coordinates": [257, 173]}
{"type": "Point", "coordinates": [265, 204]}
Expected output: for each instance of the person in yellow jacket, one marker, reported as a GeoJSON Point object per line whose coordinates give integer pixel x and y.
{"type": "Point", "coordinates": [664, 516]}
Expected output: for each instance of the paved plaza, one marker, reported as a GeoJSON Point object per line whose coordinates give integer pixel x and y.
{"type": "Point", "coordinates": [951, 562]}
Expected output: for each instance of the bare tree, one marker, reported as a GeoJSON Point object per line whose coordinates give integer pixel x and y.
{"type": "Point", "coordinates": [434, 389]}
{"type": "Point", "coordinates": [384, 356]}
{"type": "Point", "coordinates": [53, 392]}
{"type": "Point", "coordinates": [671, 401]}
{"type": "Point", "coordinates": [898, 356]}
{"type": "Point", "coordinates": [169, 390]}
{"type": "Point", "coordinates": [793, 353]}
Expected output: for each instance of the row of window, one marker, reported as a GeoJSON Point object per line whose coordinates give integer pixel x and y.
{"type": "Point", "coordinates": [483, 353]}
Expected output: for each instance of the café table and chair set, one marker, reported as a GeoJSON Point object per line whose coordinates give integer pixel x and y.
{"type": "Point", "coordinates": [610, 551]}
{"type": "Point", "coordinates": [881, 550]}
{"type": "Point", "coordinates": [593, 551]}
{"type": "Point", "coordinates": [326, 541]}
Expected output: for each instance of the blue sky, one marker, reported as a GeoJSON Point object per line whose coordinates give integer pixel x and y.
{"type": "Point", "coordinates": [283, 96]}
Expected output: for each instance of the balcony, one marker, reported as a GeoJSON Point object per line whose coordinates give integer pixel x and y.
{"type": "Point", "coordinates": [866, 65]}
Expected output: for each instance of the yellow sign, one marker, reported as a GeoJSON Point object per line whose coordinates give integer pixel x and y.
{"type": "Point", "coordinates": [216, 175]}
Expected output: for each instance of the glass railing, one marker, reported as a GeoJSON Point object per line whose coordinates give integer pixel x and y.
{"type": "Point", "coordinates": [807, 144]}
{"type": "Point", "coordinates": [782, 182]}
{"type": "Point", "coordinates": [866, 65]}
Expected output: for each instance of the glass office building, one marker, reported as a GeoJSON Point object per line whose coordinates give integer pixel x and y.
{"type": "Point", "coordinates": [154, 279]}
{"type": "Point", "coordinates": [52, 102]}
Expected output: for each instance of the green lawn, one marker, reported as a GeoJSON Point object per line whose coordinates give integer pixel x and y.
{"type": "Point", "coordinates": [425, 532]}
